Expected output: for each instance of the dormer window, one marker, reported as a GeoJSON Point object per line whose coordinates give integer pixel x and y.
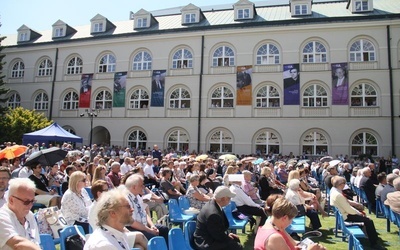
{"type": "Point", "coordinates": [361, 5]}
{"type": "Point", "coordinates": [190, 18]}
{"type": "Point", "coordinates": [98, 27]}
{"type": "Point", "coordinates": [23, 37]}
{"type": "Point", "coordinates": [142, 23]}
{"type": "Point", "coordinates": [300, 9]}
{"type": "Point", "coordinates": [243, 14]}
{"type": "Point", "coordinates": [59, 32]}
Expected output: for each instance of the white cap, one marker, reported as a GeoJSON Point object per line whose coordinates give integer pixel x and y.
{"type": "Point", "coordinates": [223, 191]}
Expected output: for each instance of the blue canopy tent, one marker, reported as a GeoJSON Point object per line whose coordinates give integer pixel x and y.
{"type": "Point", "coordinates": [52, 133]}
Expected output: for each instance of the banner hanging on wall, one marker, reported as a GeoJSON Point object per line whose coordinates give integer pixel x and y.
{"type": "Point", "coordinates": [243, 85]}
{"type": "Point", "coordinates": [119, 89]}
{"type": "Point", "coordinates": [85, 91]}
{"type": "Point", "coordinates": [157, 88]}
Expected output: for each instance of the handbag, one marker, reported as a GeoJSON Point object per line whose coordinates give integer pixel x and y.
{"type": "Point", "coordinates": [301, 210]}
{"type": "Point", "coordinates": [56, 220]}
{"type": "Point", "coordinates": [44, 227]}
{"type": "Point", "coordinates": [75, 242]}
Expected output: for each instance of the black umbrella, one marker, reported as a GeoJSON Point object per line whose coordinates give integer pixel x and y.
{"type": "Point", "coordinates": [46, 157]}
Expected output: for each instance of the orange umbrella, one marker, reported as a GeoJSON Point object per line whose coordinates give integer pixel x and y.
{"type": "Point", "coordinates": [13, 151]}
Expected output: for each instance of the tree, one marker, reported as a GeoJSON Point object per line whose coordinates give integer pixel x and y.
{"type": "Point", "coordinates": [16, 122]}
{"type": "Point", "coordinates": [3, 90]}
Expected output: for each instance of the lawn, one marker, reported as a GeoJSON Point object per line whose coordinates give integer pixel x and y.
{"type": "Point", "coordinates": [390, 240]}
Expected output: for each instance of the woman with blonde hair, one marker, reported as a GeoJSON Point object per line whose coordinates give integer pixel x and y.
{"type": "Point", "coordinates": [100, 174]}
{"type": "Point", "coordinates": [229, 170]}
{"type": "Point", "coordinates": [75, 202]}
{"type": "Point", "coordinates": [268, 185]}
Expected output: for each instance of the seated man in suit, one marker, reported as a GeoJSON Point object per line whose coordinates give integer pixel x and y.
{"type": "Point", "coordinates": [212, 224]}
{"type": "Point", "coordinates": [393, 199]}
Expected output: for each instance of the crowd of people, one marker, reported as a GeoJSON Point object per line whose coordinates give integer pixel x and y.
{"type": "Point", "coordinates": [130, 189]}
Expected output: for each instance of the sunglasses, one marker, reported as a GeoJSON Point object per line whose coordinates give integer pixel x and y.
{"type": "Point", "coordinates": [26, 203]}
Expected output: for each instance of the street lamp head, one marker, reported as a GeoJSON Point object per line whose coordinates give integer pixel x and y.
{"type": "Point", "coordinates": [82, 115]}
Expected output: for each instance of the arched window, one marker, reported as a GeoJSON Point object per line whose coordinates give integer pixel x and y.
{"type": "Point", "coordinates": [362, 51]}
{"type": "Point", "coordinates": [103, 100]}
{"type": "Point", "coordinates": [139, 99]}
{"type": "Point", "coordinates": [14, 101]}
{"type": "Point", "coordinates": [41, 101]}
{"type": "Point", "coordinates": [223, 56]}
{"type": "Point", "coordinates": [18, 70]}
{"type": "Point", "coordinates": [268, 54]}
{"type": "Point", "coordinates": [71, 100]}
{"type": "Point", "coordinates": [107, 63]}
{"type": "Point", "coordinates": [267, 97]}
{"type": "Point", "coordinates": [71, 130]}
{"type": "Point", "coordinates": [137, 139]}
{"type": "Point", "coordinates": [364, 143]}
{"type": "Point", "coordinates": [179, 98]}
{"type": "Point", "coordinates": [221, 142]}
{"type": "Point", "coordinates": [314, 52]}
{"type": "Point", "coordinates": [267, 142]}
{"type": "Point", "coordinates": [222, 97]}
{"type": "Point", "coordinates": [178, 140]}
{"type": "Point", "coordinates": [182, 58]}
{"type": "Point", "coordinates": [75, 65]}
{"type": "Point", "coordinates": [364, 95]}
{"type": "Point", "coordinates": [315, 96]}
{"type": "Point", "coordinates": [314, 143]}
{"type": "Point", "coordinates": [45, 68]}
{"type": "Point", "coordinates": [142, 61]}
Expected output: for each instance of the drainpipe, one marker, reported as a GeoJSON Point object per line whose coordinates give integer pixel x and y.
{"type": "Point", "coordinates": [52, 85]}
{"type": "Point", "coordinates": [200, 97]}
{"type": "Point", "coordinates": [391, 90]}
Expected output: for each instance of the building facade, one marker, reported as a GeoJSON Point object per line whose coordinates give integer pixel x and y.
{"type": "Point", "coordinates": [308, 77]}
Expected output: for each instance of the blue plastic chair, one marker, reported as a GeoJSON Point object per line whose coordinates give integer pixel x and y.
{"type": "Point", "coordinates": [175, 214]}
{"type": "Point", "coordinates": [380, 211]}
{"type": "Point", "coordinates": [348, 230]}
{"type": "Point", "coordinates": [184, 202]}
{"type": "Point", "coordinates": [354, 243]}
{"type": "Point", "coordinates": [298, 225]}
{"type": "Point", "coordinates": [176, 241]}
{"type": "Point", "coordinates": [157, 243]}
{"type": "Point", "coordinates": [234, 223]}
{"type": "Point", "coordinates": [47, 242]}
{"type": "Point", "coordinates": [364, 200]}
{"type": "Point", "coordinates": [188, 231]}
{"type": "Point", "coordinates": [89, 191]}
{"type": "Point", "coordinates": [68, 231]}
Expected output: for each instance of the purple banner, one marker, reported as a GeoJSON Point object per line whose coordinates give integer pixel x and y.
{"type": "Point", "coordinates": [340, 84]}
{"type": "Point", "coordinates": [291, 84]}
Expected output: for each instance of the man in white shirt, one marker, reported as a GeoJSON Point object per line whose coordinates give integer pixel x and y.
{"type": "Point", "coordinates": [126, 166]}
{"type": "Point", "coordinates": [19, 229]}
{"type": "Point", "coordinates": [150, 176]}
{"type": "Point", "coordinates": [113, 213]}
{"type": "Point", "coordinates": [25, 172]}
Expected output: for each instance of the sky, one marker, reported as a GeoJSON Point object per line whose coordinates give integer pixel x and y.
{"type": "Point", "coordinates": [42, 14]}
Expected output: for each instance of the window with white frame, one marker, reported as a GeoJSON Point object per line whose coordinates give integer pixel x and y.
{"type": "Point", "coordinates": [221, 141]}
{"type": "Point", "coordinates": [315, 96]}
{"type": "Point", "coordinates": [103, 100]}
{"type": "Point", "coordinates": [364, 143]}
{"type": "Point", "coordinates": [107, 63]}
{"type": "Point", "coordinates": [178, 140]}
{"type": "Point", "coordinates": [314, 52]}
{"type": "Point", "coordinates": [362, 51]}
{"type": "Point", "coordinates": [141, 23]}
{"type": "Point", "coordinates": [23, 37]}
{"type": "Point", "coordinates": [300, 9]}
{"type": "Point", "coordinates": [243, 14]}
{"type": "Point", "coordinates": [190, 18]}
{"type": "Point", "coordinates": [74, 66]}
{"type": "Point", "coordinates": [223, 56]}
{"type": "Point", "coordinates": [361, 5]}
{"type": "Point", "coordinates": [179, 98]}
{"type": "Point", "coordinates": [98, 27]}
{"type": "Point", "coordinates": [315, 143]}
{"type": "Point", "coordinates": [267, 97]}
{"type": "Point", "coordinates": [364, 95]}
{"type": "Point", "coordinates": [142, 61]}
{"type": "Point", "coordinates": [182, 58]}
{"type": "Point", "coordinates": [137, 139]}
{"type": "Point", "coordinates": [267, 141]}
{"type": "Point", "coordinates": [18, 70]}
{"type": "Point", "coordinates": [139, 99]}
{"type": "Point", "coordinates": [268, 54]}
{"type": "Point", "coordinates": [222, 97]}
{"type": "Point", "coordinates": [14, 101]}
{"type": "Point", "coordinates": [41, 101]}
{"type": "Point", "coordinates": [59, 32]}
{"type": "Point", "coordinates": [71, 100]}
{"type": "Point", "coordinates": [45, 68]}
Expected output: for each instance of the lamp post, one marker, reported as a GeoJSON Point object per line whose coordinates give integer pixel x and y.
{"type": "Point", "coordinates": [91, 113]}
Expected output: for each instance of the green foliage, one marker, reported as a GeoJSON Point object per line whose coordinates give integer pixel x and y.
{"type": "Point", "coordinates": [17, 122]}
{"type": "Point", "coordinates": [3, 90]}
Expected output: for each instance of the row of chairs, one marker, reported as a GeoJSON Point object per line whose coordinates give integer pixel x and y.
{"type": "Point", "coordinates": [177, 239]}
{"type": "Point", "coordinates": [350, 231]}
{"type": "Point", "coordinates": [383, 211]}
